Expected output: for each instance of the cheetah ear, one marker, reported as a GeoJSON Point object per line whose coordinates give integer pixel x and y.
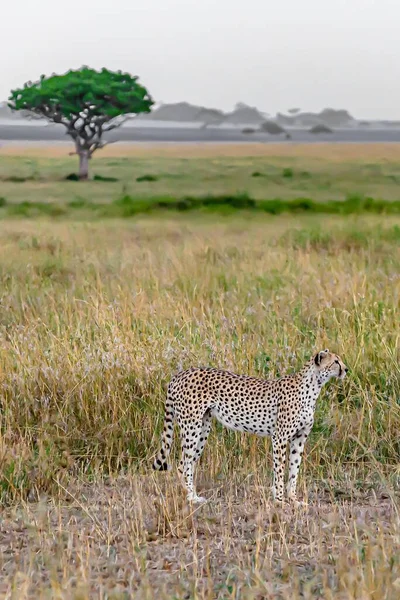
{"type": "Point", "coordinates": [319, 356]}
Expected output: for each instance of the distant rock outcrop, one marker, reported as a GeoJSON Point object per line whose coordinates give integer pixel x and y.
{"type": "Point", "coordinates": [210, 116]}
{"type": "Point", "coordinates": [329, 117]}
{"type": "Point", "coordinates": [180, 111]}
{"type": "Point", "coordinates": [335, 118]}
{"type": "Point", "coordinates": [285, 120]}
{"type": "Point", "coordinates": [244, 115]}
{"type": "Point", "coordinates": [185, 112]}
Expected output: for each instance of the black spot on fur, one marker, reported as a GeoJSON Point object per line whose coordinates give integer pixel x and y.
{"type": "Point", "coordinates": [160, 466]}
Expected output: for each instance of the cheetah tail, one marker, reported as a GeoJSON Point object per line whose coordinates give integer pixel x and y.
{"type": "Point", "coordinates": [160, 463]}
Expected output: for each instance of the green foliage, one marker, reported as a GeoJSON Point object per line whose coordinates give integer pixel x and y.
{"type": "Point", "coordinates": [100, 96]}
{"type": "Point", "coordinates": [147, 178]}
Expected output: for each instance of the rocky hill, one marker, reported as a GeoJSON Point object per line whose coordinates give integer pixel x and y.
{"type": "Point", "coordinates": [329, 117]}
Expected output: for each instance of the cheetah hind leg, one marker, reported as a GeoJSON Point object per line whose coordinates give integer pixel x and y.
{"type": "Point", "coordinates": [205, 432]}
{"type": "Point", "coordinates": [190, 440]}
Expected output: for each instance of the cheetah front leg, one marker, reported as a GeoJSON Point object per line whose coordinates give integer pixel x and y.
{"type": "Point", "coordinates": [296, 450]}
{"type": "Point", "coordinates": [279, 454]}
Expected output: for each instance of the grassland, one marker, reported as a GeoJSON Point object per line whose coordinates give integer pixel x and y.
{"type": "Point", "coordinates": [36, 183]}
{"type": "Point", "coordinates": [96, 316]}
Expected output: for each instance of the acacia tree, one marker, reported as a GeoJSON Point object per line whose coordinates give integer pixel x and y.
{"type": "Point", "coordinates": [87, 102]}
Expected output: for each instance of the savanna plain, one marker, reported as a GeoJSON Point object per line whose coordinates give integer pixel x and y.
{"type": "Point", "coordinates": [99, 308]}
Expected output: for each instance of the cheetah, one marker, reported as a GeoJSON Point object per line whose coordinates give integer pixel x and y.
{"type": "Point", "coordinates": [281, 408]}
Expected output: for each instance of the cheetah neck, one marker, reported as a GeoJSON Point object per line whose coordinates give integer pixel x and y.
{"type": "Point", "coordinates": [310, 382]}
{"type": "Point", "coordinates": [309, 373]}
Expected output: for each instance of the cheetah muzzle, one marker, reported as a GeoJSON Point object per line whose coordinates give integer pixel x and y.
{"type": "Point", "coordinates": [281, 408]}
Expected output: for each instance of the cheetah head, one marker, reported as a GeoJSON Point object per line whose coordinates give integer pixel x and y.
{"type": "Point", "coordinates": [329, 365]}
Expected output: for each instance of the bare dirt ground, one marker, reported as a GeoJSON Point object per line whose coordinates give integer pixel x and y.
{"type": "Point", "coordinates": [135, 537]}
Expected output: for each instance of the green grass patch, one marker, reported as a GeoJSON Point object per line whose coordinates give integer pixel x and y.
{"type": "Point", "coordinates": [262, 178]}
{"type": "Point", "coordinates": [127, 206]}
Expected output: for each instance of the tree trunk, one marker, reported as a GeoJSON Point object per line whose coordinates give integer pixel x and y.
{"type": "Point", "coordinates": [83, 164]}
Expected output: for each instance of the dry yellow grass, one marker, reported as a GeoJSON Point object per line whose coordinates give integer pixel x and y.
{"type": "Point", "coordinates": [95, 319]}
{"type": "Point", "coordinates": [121, 539]}
{"type": "Point", "coordinates": [323, 151]}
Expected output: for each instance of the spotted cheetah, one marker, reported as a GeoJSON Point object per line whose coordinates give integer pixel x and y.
{"type": "Point", "coordinates": [281, 408]}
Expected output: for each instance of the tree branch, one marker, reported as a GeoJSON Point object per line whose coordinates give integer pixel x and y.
{"type": "Point", "coordinates": [100, 146]}
{"type": "Point", "coordinates": [121, 122]}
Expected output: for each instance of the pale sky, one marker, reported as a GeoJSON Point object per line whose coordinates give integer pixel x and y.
{"type": "Point", "coordinates": [271, 54]}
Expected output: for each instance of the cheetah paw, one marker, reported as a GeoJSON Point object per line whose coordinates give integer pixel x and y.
{"type": "Point", "coordinates": [196, 499]}
{"type": "Point", "coordinates": [279, 503]}
{"type": "Point", "coordinates": [299, 503]}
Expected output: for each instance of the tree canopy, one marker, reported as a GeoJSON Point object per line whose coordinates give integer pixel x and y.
{"type": "Point", "coordinates": [87, 102]}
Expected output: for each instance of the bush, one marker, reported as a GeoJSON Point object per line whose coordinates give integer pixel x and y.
{"type": "Point", "coordinates": [104, 178]}
{"type": "Point", "coordinates": [321, 129]}
{"type": "Point", "coordinates": [147, 178]}
{"type": "Point", "coordinates": [17, 179]}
